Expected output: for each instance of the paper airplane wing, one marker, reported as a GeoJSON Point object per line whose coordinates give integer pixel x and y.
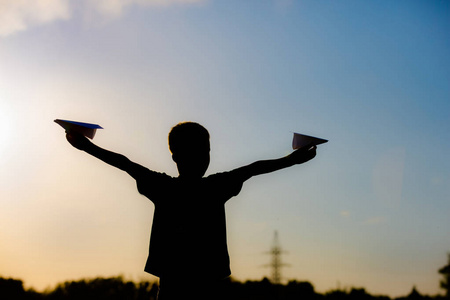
{"type": "Point", "coordinates": [85, 129]}
{"type": "Point", "coordinates": [301, 140]}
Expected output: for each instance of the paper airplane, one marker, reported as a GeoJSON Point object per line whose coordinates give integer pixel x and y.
{"type": "Point", "coordinates": [301, 140]}
{"type": "Point", "coordinates": [85, 129]}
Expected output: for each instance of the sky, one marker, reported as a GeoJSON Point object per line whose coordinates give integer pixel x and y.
{"type": "Point", "coordinates": [372, 77]}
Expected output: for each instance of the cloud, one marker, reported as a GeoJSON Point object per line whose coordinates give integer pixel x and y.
{"type": "Point", "coordinates": [19, 15]}
{"type": "Point", "coordinates": [116, 7]}
{"type": "Point", "coordinates": [345, 213]}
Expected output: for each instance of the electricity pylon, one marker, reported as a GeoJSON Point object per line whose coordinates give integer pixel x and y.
{"type": "Point", "coordinates": [276, 263]}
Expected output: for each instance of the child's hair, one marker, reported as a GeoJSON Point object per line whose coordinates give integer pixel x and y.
{"type": "Point", "coordinates": [187, 134]}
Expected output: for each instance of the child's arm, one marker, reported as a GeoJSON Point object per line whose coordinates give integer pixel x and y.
{"type": "Point", "coordinates": [299, 156]}
{"type": "Point", "coordinates": [114, 159]}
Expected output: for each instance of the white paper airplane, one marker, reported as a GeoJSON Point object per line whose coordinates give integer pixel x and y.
{"type": "Point", "coordinates": [301, 140]}
{"type": "Point", "coordinates": [85, 129]}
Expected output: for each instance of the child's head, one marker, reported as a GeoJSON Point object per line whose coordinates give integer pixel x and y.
{"type": "Point", "coordinates": [189, 145]}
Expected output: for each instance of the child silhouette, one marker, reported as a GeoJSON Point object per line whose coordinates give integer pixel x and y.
{"type": "Point", "coordinates": [188, 240]}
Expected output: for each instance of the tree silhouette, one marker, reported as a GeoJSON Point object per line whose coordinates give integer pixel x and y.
{"type": "Point", "coordinates": [13, 289]}
{"type": "Point", "coordinates": [114, 288]}
{"type": "Point", "coordinates": [445, 282]}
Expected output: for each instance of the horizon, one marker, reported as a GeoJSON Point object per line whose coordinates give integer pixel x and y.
{"type": "Point", "coordinates": [346, 289]}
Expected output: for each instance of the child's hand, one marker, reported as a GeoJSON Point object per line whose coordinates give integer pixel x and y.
{"type": "Point", "coordinates": [77, 140]}
{"type": "Point", "coordinates": [303, 154]}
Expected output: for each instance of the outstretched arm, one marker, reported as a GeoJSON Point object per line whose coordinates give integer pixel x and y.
{"type": "Point", "coordinates": [299, 156]}
{"type": "Point", "coordinates": [114, 159]}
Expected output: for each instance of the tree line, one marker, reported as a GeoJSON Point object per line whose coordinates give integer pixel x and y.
{"type": "Point", "coordinates": [117, 288]}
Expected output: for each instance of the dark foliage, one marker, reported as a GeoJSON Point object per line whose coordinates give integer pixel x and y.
{"type": "Point", "coordinates": [445, 282]}
{"type": "Point", "coordinates": [11, 289]}
{"type": "Point", "coordinates": [116, 288]}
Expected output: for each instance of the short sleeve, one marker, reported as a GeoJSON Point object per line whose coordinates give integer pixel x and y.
{"type": "Point", "coordinates": [152, 184]}
{"type": "Point", "coordinates": [226, 185]}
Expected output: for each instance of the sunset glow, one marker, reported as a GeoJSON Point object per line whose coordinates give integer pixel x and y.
{"type": "Point", "coordinates": [372, 77]}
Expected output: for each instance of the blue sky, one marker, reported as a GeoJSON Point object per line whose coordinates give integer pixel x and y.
{"type": "Point", "coordinates": [371, 210]}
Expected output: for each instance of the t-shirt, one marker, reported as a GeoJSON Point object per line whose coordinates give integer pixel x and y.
{"type": "Point", "coordinates": [188, 234]}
